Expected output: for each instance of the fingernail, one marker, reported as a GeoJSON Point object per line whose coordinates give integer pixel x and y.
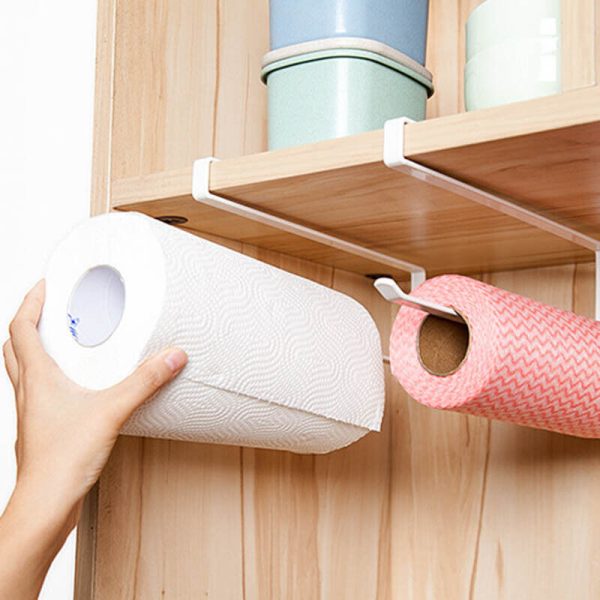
{"type": "Point", "coordinates": [176, 359]}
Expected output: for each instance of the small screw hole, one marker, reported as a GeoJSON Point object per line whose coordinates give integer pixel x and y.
{"type": "Point", "coordinates": [173, 220]}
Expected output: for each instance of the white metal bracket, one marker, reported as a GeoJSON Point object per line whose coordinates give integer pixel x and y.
{"type": "Point", "coordinates": [394, 157]}
{"type": "Point", "coordinates": [201, 193]}
{"type": "Point", "coordinates": [392, 292]}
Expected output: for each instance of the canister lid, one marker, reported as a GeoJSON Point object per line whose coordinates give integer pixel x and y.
{"type": "Point", "coordinates": [348, 47]}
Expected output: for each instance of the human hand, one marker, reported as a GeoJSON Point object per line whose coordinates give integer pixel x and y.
{"type": "Point", "coordinates": [65, 434]}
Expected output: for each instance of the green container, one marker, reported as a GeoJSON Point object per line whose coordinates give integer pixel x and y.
{"type": "Point", "coordinates": [498, 21]}
{"type": "Point", "coordinates": [513, 50]}
{"type": "Point", "coordinates": [513, 71]}
{"type": "Point", "coordinates": [338, 87]}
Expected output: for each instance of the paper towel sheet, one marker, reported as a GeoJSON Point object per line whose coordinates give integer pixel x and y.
{"type": "Point", "coordinates": [526, 362]}
{"type": "Point", "coordinates": [276, 361]}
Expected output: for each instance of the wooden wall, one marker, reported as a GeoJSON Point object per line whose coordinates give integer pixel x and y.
{"type": "Point", "coordinates": [437, 505]}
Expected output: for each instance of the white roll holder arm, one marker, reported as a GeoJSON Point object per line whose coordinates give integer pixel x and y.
{"type": "Point", "coordinates": [386, 286]}
{"type": "Point", "coordinates": [394, 158]}
{"type": "Point", "coordinates": [201, 193]}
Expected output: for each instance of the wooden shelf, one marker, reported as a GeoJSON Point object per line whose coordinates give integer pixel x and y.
{"type": "Point", "coordinates": [545, 154]}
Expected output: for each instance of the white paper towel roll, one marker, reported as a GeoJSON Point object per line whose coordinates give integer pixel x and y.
{"type": "Point", "coordinates": [275, 361]}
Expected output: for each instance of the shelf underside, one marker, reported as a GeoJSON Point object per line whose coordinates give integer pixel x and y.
{"type": "Point", "coordinates": [544, 154]}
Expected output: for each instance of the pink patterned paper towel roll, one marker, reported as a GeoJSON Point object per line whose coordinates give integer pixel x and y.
{"type": "Point", "coordinates": [517, 360]}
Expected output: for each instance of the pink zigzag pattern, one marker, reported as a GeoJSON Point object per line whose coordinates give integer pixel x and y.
{"type": "Point", "coordinates": [528, 363]}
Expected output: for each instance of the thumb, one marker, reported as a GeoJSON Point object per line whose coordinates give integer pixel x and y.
{"type": "Point", "coordinates": [145, 381]}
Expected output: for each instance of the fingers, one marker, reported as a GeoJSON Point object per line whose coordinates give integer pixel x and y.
{"type": "Point", "coordinates": [25, 340]}
{"type": "Point", "coordinates": [10, 361]}
{"type": "Point", "coordinates": [145, 381]}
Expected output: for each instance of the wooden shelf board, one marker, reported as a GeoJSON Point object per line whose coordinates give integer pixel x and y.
{"type": "Point", "coordinates": [555, 170]}
{"type": "Point", "coordinates": [206, 220]}
{"type": "Point", "coordinates": [543, 153]}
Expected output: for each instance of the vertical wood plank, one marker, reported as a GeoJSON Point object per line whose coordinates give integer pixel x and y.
{"type": "Point", "coordinates": [187, 82]}
{"type": "Point", "coordinates": [85, 559]}
{"type": "Point", "coordinates": [169, 522]}
{"type": "Point", "coordinates": [85, 555]}
{"type": "Point", "coordinates": [316, 527]}
{"type": "Point", "coordinates": [578, 44]}
{"type": "Point", "coordinates": [438, 477]}
{"type": "Point", "coordinates": [192, 503]}
{"type": "Point", "coordinates": [446, 55]}
{"type": "Point", "coordinates": [281, 515]}
{"type": "Point", "coordinates": [596, 44]}
{"type": "Point", "coordinates": [539, 537]}
{"type": "Point", "coordinates": [281, 499]}
{"type": "Point", "coordinates": [103, 105]}
{"type": "Point", "coordinates": [353, 484]}
{"type": "Point", "coordinates": [120, 506]}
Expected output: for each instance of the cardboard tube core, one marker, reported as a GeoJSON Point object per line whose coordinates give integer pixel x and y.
{"type": "Point", "coordinates": [442, 345]}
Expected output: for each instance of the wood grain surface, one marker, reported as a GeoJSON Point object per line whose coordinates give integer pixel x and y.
{"type": "Point", "coordinates": [541, 153]}
{"type": "Point", "coordinates": [437, 505]}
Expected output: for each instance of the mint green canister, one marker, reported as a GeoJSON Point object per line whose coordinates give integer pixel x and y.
{"type": "Point", "coordinates": [498, 21]}
{"type": "Point", "coordinates": [513, 51]}
{"type": "Point", "coordinates": [337, 87]}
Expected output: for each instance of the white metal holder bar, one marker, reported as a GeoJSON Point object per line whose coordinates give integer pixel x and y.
{"type": "Point", "coordinates": [395, 158]}
{"type": "Point", "coordinates": [201, 193]}
{"type": "Point", "coordinates": [392, 292]}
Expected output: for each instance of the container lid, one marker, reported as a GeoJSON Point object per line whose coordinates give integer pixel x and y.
{"type": "Point", "coordinates": [349, 47]}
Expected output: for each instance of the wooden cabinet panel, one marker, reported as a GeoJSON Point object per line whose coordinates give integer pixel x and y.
{"type": "Point", "coordinates": [437, 505]}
